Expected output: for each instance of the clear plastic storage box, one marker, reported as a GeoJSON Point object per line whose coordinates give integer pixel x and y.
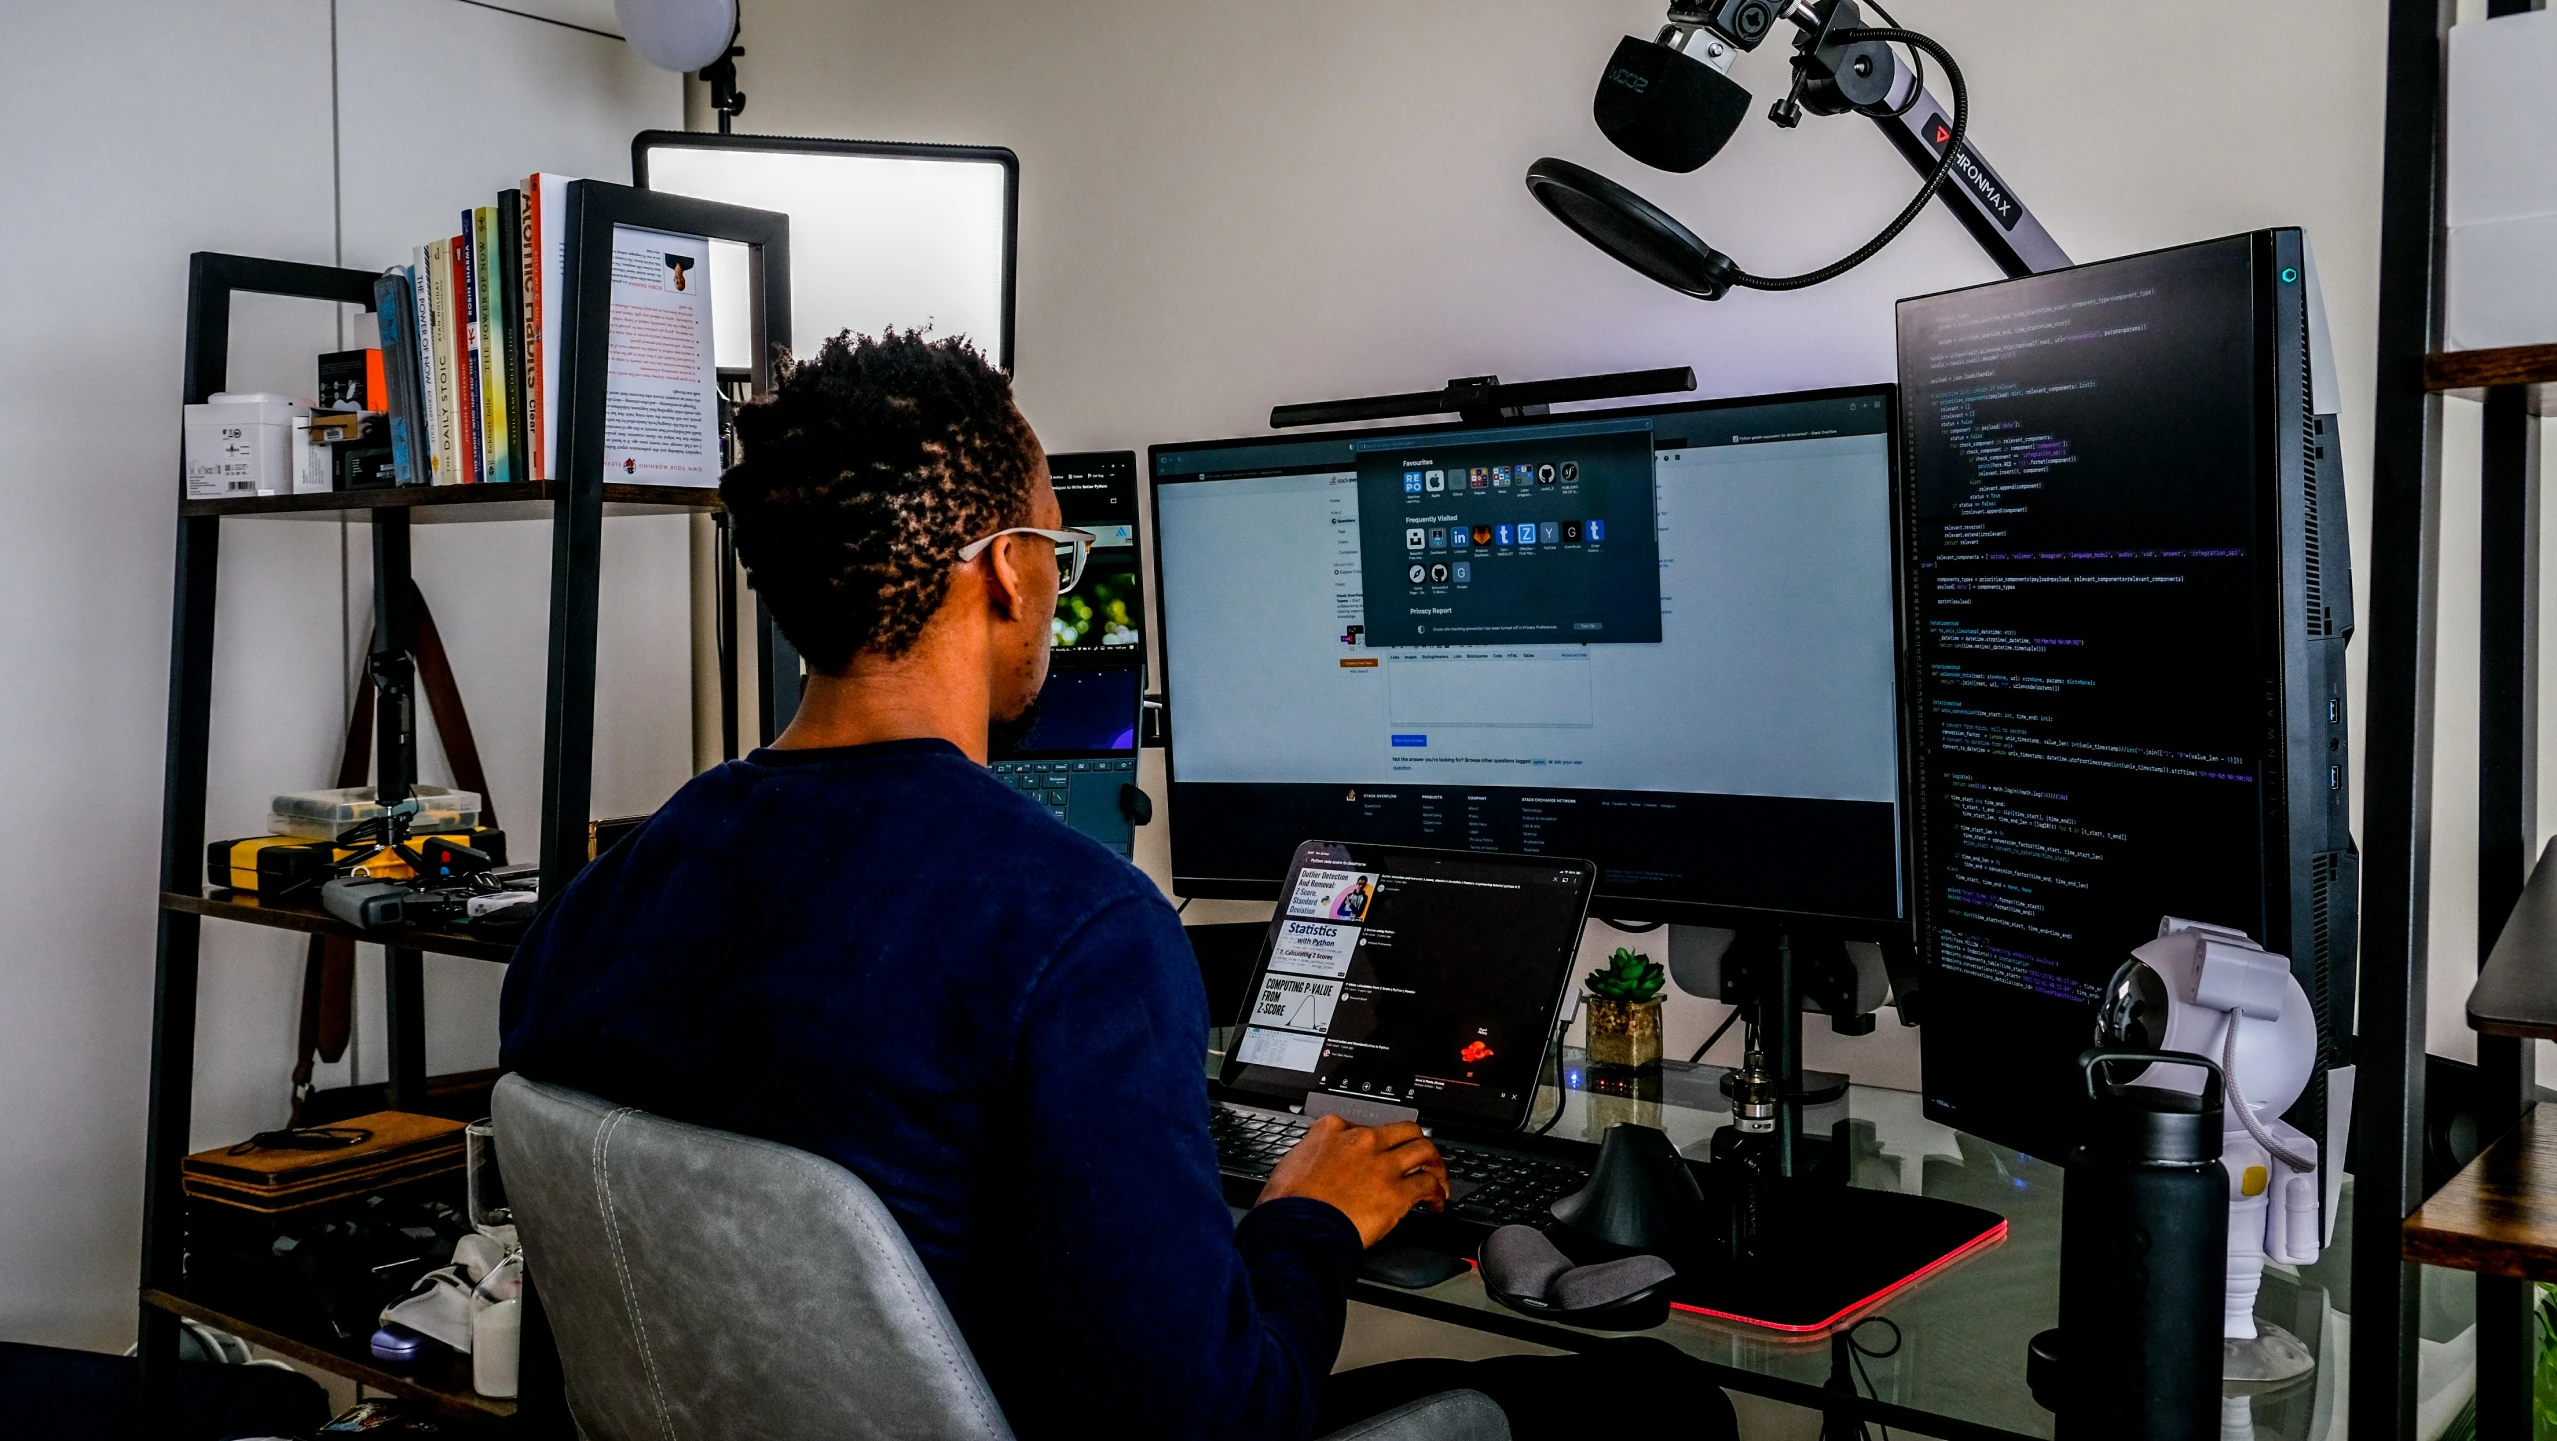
{"type": "Point", "coordinates": [327, 815]}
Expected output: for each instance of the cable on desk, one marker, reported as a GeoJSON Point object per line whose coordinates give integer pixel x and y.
{"type": "Point", "coordinates": [1857, 1351]}
{"type": "Point", "coordinates": [1562, 1098]}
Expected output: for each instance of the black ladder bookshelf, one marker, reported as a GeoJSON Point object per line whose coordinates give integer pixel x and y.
{"type": "Point", "coordinates": [2391, 1121]}
{"type": "Point", "coordinates": [576, 506]}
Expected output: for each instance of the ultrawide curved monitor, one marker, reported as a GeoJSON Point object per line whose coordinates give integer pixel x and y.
{"type": "Point", "coordinates": [1661, 639]}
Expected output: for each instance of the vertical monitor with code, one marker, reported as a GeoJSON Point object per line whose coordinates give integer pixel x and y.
{"type": "Point", "coordinates": [2093, 563]}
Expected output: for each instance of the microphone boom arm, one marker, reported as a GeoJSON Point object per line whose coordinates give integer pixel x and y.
{"type": "Point", "coordinates": [1673, 110]}
{"type": "Point", "coordinates": [1985, 204]}
{"type": "Point", "coordinates": [1836, 64]}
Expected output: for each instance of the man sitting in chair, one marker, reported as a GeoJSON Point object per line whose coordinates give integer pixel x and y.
{"type": "Point", "coordinates": [858, 942]}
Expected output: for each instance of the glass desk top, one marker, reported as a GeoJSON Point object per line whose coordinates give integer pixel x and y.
{"type": "Point", "coordinates": [1959, 1369]}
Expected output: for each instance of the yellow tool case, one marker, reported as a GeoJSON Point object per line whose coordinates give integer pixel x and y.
{"type": "Point", "coordinates": [289, 868]}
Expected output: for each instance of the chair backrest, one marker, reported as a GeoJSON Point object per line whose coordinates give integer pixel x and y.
{"type": "Point", "coordinates": [704, 1285]}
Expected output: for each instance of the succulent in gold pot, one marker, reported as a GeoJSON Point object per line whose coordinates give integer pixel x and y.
{"type": "Point", "coordinates": [1624, 1010]}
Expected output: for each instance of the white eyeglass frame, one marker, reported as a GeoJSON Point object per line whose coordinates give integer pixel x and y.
{"type": "Point", "coordinates": [1073, 548]}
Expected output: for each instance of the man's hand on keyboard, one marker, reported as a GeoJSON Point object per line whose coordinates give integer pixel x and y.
{"type": "Point", "coordinates": [1375, 1175]}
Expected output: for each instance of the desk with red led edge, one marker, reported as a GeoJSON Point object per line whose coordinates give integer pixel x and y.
{"type": "Point", "coordinates": [1962, 1322]}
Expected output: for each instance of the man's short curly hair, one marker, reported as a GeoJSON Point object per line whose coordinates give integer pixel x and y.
{"type": "Point", "coordinates": [869, 467]}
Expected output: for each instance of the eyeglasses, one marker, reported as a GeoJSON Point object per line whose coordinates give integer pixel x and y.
{"type": "Point", "coordinates": [1072, 546]}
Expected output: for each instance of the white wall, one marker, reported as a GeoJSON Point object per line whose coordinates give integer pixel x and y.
{"type": "Point", "coordinates": [1227, 205]}
{"type": "Point", "coordinates": [157, 128]}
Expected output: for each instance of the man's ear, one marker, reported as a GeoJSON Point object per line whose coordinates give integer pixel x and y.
{"type": "Point", "coordinates": [1007, 589]}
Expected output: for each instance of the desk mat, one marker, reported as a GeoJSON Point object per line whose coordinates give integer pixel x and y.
{"type": "Point", "coordinates": [1835, 1253]}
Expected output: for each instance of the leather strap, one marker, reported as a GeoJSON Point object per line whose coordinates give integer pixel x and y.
{"type": "Point", "coordinates": [328, 970]}
{"type": "Point", "coordinates": [444, 702]}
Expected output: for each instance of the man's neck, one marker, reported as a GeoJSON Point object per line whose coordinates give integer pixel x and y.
{"type": "Point", "coordinates": [909, 698]}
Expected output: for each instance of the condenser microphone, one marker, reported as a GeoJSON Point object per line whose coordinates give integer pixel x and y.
{"type": "Point", "coordinates": [1666, 108]}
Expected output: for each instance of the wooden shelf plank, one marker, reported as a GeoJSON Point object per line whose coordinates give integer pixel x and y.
{"type": "Point", "coordinates": [2516, 990]}
{"type": "Point", "coordinates": [443, 504]}
{"type": "Point", "coordinates": [442, 1381]}
{"type": "Point", "coordinates": [2470, 373]}
{"type": "Point", "coordinates": [247, 909]}
{"type": "Point", "coordinates": [2498, 1216]}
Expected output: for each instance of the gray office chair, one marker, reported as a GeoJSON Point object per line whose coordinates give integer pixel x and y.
{"type": "Point", "coordinates": [703, 1285]}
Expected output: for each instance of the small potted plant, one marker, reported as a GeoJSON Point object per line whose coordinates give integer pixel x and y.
{"type": "Point", "coordinates": [1624, 1010]}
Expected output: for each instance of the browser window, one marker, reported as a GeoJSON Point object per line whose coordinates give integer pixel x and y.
{"type": "Point", "coordinates": [1663, 640]}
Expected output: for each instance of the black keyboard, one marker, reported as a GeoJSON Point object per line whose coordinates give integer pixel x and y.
{"type": "Point", "coordinates": [1050, 783]}
{"type": "Point", "coordinates": [1498, 1188]}
{"type": "Point", "coordinates": [1084, 794]}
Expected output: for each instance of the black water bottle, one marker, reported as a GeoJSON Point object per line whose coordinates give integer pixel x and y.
{"type": "Point", "coordinates": [2143, 1262]}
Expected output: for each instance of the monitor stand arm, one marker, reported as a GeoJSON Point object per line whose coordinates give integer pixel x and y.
{"type": "Point", "coordinates": [1773, 990]}
{"type": "Point", "coordinates": [1775, 975]}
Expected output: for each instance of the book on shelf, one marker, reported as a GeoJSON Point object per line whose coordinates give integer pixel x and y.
{"type": "Point", "coordinates": [510, 315]}
{"type": "Point", "coordinates": [661, 413]}
{"type": "Point", "coordinates": [428, 437]}
{"type": "Point", "coordinates": [491, 338]}
{"type": "Point", "coordinates": [458, 338]}
{"type": "Point", "coordinates": [394, 314]}
{"type": "Point", "coordinates": [528, 269]}
{"type": "Point", "coordinates": [453, 460]}
{"type": "Point", "coordinates": [466, 349]}
{"type": "Point", "coordinates": [546, 212]}
{"type": "Point", "coordinates": [486, 311]}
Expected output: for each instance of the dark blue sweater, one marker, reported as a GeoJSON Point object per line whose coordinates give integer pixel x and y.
{"type": "Point", "coordinates": [886, 956]}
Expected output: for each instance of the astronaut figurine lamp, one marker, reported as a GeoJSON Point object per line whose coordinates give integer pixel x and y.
{"type": "Point", "coordinates": [2212, 991]}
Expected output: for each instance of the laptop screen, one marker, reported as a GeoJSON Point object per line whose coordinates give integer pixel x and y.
{"type": "Point", "coordinates": [1102, 620]}
{"type": "Point", "coordinates": [1082, 713]}
{"type": "Point", "coordinates": [1425, 978]}
{"type": "Point", "coordinates": [1093, 704]}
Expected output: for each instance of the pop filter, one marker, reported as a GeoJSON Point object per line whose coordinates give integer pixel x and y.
{"type": "Point", "coordinates": [1666, 108]}
{"type": "Point", "coordinates": [1676, 110]}
{"type": "Point", "coordinates": [1630, 228]}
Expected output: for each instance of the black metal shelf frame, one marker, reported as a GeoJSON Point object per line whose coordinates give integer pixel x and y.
{"type": "Point", "coordinates": [2403, 622]}
{"type": "Point", "coordinates": [575, 506]}
{"type": "Point", "coordinates": [2507, 789]}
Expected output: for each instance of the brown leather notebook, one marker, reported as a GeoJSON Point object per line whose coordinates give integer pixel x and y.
{"type": "Point", "coordinates": [399, 1138]}
{"type": "Point", "coordinates": [326, 1188]}
{"type": "Point", "coordinates": [267, 1202]}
